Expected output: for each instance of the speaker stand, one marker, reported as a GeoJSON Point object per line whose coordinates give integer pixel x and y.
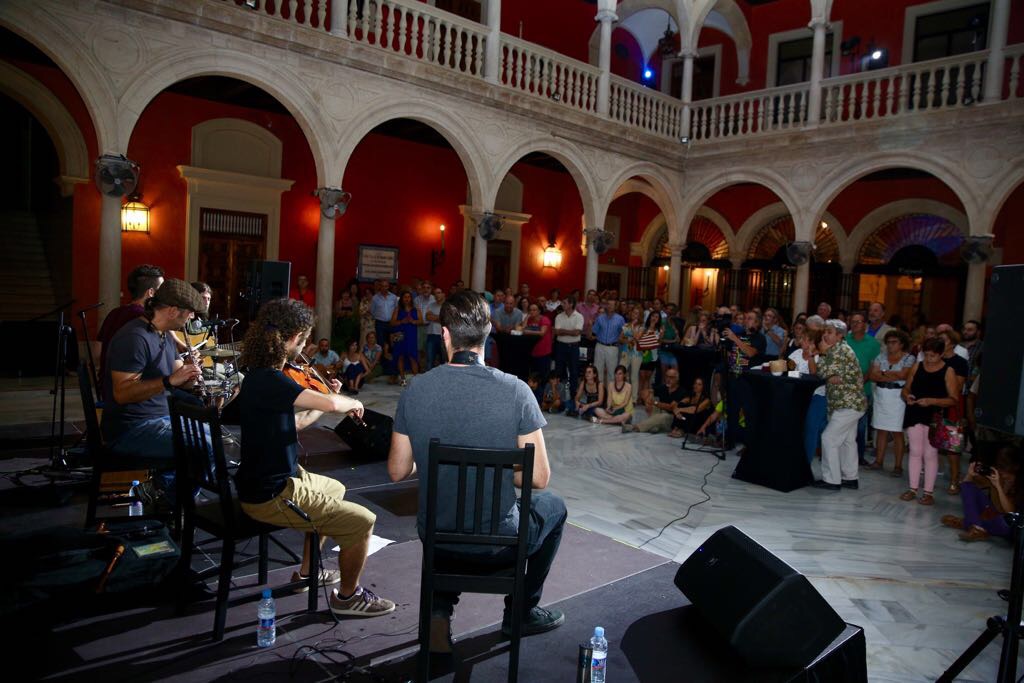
{"type": "Point", "coordinates": [1009, 627]}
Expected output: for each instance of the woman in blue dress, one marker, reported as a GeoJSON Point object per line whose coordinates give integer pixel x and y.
{"type": "Point", "coordinates": [403, 339]}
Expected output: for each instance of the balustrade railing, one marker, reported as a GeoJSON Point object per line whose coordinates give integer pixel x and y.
{"type": "Point", "coordinates": [308, 13]}
{"type": "Point", "coordinates": [422, 32]}
{"type": "Point", "coordinates": [419, 31]}
{"type": "Point", "coordinates": [640, 107]}
{"type": "Point", "coordinates": [752, 113]}
{"type": "Point", "coordinates": [920, 86]}
{"type": "Point", "coordinates": [532, 69]}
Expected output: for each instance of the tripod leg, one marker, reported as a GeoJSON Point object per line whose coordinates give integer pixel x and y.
{"type": "Point", "coordinates": [993, 629]}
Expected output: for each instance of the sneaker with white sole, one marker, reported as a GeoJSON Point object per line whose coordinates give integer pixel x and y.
{"type": "Point", "coordinates": [328, 577]}
{"type": "Point", "coordinates": [363, 603]}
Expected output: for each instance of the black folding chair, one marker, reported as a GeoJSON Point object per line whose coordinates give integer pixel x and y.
{"type": "Point", "coordinates": [105, 462]}
{"type": "Point", "coordinates": [199, 455]}
{"type": "Point", "coordinates": [443, 568]}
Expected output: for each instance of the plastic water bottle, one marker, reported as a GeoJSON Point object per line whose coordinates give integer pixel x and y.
{"type": "Point", "coordinates": [135, 506]}
{"type": "Point", "coordinates": [600, 656]}
{"type": "Point", "coordinates": [266, 615]}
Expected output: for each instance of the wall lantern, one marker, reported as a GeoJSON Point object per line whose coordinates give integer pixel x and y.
{"type": "Point", "coordinates": [552, 257]}
{"type": "Point", "coordinates": [436, 257]}
{"type": "Point", "coordinates": [134, 214]}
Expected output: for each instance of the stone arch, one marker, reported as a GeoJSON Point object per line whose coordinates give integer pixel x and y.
{"type": "Point", "coordinates": [658, 226]}
{"type": "Point", "coordinates": [871, 222]}
{"type": "Point", "coordinates": [945, 170]}
{"type": "Point", "coordinates": [1001, 190]}
{"type": "Point", "coordinates": [63, 45]}
{"type": "Point", "coordinates": [677, 10]}
{"type": "Point", "coordinates": [300, 102]}
{"type": "Point", "coordinates": [460, 136]}
{"type": "Point", "coordinates": [767, 178]}
{"type": "Point", "coordinates": [569, 156]}
{"type": "Point", "coordinates": [652, 182]}
{"type": "Point", "coordinates": [67, 138]}
{"type": "Point", "coordinates": [734, 18]}
{"type": "Point", "coordinates": [757, 220]}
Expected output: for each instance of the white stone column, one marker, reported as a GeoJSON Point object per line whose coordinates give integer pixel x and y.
{"type": "Point", "coordinates": [996, 54]}
{"type": "Point", "coordinates": [324, 277]}
{"type": "Point", "coordinates": [974, 296]}
{"type": "Point", "coordinates": [110, 254]}
{"type": "Point", "coordinates": [339, 18]}
{"type": "Point", "coordinates": [590, 277]}
{"type": "Point", "coordinates": [801, 287]}
{"type": "Point", "coordinates": [687, 90]}
{"type": "Point", "coordinates": [604, 60]}
{"type": "Point", "coordinates": [675, 274]}
{"type": "Point", "coordinates": [479, 277]}
{"type": "Point", "coordinates": [492, 56]}
{"type": "Point", "coordinates": [817, 72]}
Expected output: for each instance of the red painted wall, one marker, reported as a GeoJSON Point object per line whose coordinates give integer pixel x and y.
{"type": "Point", "coordinates": [402, 192]}
{"type": "Point", "coordinates": [1009, 230]}
{"type": "Point", "coordinates": [738, 202]}
{"type": "Point", "coordinates": [564, 26]}
{"type": "Point", "coordinates": [630, 67]}
{"type": "Point", "coordinates": [552, 199]}
{"type": "Point", "coordinates": [863, 197]}
{"type": "Point", "coordinates": [162, 140]}
{"type": "Point", "coordinates": [635, 212]}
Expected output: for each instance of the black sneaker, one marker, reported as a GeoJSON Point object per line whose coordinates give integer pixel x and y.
{"type": "Point", "coordinates": [819, 484]}
{"type": "Point", "coordinates": [538, 620]}
{"type": "Point", "coordinates": [850, 484]}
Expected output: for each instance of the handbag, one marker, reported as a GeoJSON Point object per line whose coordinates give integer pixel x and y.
{"type": "Point", "coordinates": [946, 431]}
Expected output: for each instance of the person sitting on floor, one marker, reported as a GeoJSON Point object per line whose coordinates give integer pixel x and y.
{"type": "Point", "coordinates": [618, 401]}
{"type": "Point", "coordinates": [660, 405]}
{"type": "Point", "coordinates": [353, 368]}
{"type": "Point", "coordinates": [270, 480]}
{"type": "Point", "coordinates": [372, 355]}
{"type": "Point", "coordinates": [590, 394]}
{"type": "Point", "coordinates": [551, 399]}
{"type": "Point", "coordinates": [988, 493]}
{"type": "Point", "coordinates": [692, 412]}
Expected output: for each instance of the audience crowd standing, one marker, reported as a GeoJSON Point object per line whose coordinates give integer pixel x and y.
{"type": "Point", "coordinates": [595, 356]}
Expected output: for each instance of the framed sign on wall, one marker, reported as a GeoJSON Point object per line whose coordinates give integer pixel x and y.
{"type": "Point", "coordinates": [377, 263]}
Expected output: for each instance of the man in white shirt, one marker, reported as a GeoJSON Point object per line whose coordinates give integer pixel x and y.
{"type": "Point", "coordinates": [568, 328]}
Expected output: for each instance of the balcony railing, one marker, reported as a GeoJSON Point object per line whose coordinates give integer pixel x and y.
{"type": "Point", "coordinates": [762, 111]}
{"type": "Point", "coordinates": [640, 107]}
{"type": "Point", "coordinates": [532, 69]}
{"type": "Point", "coordinates": [424, 33]}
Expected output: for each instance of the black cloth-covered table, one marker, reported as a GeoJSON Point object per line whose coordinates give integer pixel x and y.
{"type": "Point", "coordinates": [514, 353]}
{"type": "Point", "coordinates": [775, 408]}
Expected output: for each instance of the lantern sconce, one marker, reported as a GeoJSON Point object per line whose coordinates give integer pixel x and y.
{"type": "Point", "coordinates": [134, 214]}
{"type": "Point", "coordinates": [552, 257]}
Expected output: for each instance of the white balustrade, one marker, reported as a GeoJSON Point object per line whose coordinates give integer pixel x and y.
{"type": "Point", "coordinates": [308, 13]}
{"type": "Point", "coordinates": [634, 105]}
{"type": "Point", "coordinates": [917, 87]}
{"type": "Point", "coordinates": [532, 69]}
{"type": "Point", "coordinates": [1012, 72]}
{"type": "Point", "coordinates": [419, 31]}
{"type": "Point", "coordinates": [762, 111]}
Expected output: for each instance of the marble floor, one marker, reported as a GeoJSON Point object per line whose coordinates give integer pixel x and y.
{"type": "Point", "coordinates": [921, 595]}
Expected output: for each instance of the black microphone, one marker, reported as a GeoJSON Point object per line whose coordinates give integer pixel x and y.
{"type": "Point", "coordinates": [297, 510]}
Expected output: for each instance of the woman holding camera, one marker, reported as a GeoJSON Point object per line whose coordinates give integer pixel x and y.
{"type": "Point", "coordinates": [989, 492]}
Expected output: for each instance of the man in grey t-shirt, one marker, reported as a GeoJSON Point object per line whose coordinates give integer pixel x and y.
{"type": "Point", "coordinates": [466, 403]}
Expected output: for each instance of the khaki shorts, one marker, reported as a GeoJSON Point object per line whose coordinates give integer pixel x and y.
{"type": "Point", "coordinates": [322, 499]}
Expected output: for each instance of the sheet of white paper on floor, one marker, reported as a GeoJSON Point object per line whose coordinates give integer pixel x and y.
{"type": "Point", "coordinates": [376, 543]}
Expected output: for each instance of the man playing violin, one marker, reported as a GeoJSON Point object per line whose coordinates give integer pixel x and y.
{"type": "Point", "coordinates": [269, 480]}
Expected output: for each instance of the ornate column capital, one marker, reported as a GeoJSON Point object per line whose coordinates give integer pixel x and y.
{"type": "Point", "coordinates": [606, 15]}
{"type": "Point", "coordinates": [819, 21]}
{"type": "Point", "coordinates": [333, 201]}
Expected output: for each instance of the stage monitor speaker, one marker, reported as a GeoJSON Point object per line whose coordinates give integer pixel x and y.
{"type": "Point", "coordinates": [1001, 390]}
{"type": "Point", "coordinates": [269, 280]}
{"type": "Point", "coordinates": [769, 613]}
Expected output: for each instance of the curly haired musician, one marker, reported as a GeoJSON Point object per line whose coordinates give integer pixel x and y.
{"type": "Point", "coordinates": [270, 481]}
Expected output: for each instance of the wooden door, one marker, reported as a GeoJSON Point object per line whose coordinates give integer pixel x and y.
{"type": "Point", "coordinates": [228, 243]}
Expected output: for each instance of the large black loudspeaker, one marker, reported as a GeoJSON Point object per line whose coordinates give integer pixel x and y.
{"type": "Point", "coordinates": [770, 614]}
{"type": "Point", "coordinates": [1001, 392]}
{"type": "Point", "coordinates": [268, 280]}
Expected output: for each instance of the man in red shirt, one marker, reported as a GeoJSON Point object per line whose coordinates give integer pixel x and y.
{"type": "Point", "coordinates": [143, 282]}
{"type": "Point", "coordinates": [302, 292]}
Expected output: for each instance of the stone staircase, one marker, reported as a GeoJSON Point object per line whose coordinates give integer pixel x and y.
{"type": "Point", "coordinates": [26, 284]}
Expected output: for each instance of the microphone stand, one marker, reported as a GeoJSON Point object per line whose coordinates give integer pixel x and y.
{"type": "Point", "coordinates": [88, 350]}
{"type": "Point", "coordinates": [58, 455]}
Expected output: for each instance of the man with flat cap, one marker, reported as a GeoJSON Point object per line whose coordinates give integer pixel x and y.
{"type": "Point", "coordinates": [142, 366]}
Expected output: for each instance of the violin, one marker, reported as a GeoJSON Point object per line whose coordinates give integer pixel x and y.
{"type": "Point", "coordinates": [304, 376]}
